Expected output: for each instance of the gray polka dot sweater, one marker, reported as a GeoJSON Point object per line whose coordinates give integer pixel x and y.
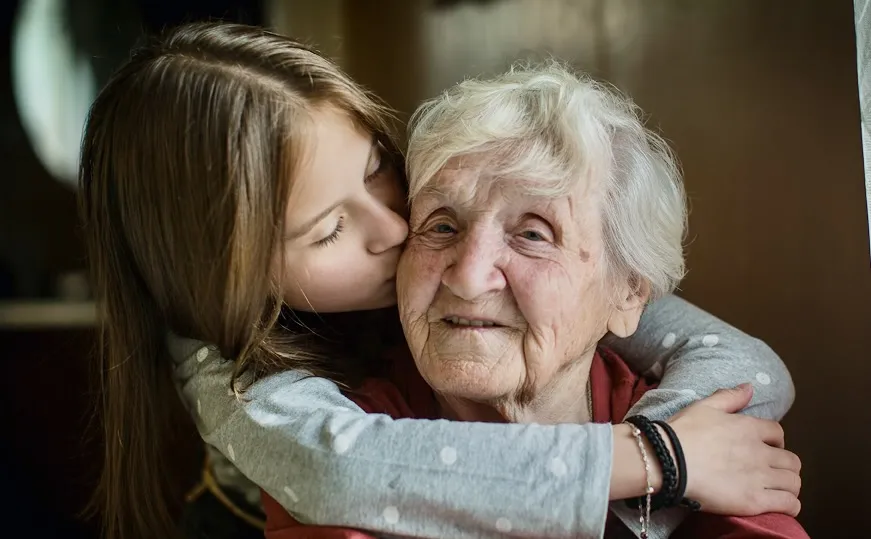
{"type": "Point", "coordinates": [327, 462]}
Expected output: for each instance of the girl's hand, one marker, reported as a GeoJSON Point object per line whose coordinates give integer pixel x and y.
{"type": "Point", "coordinates": [736, 464]}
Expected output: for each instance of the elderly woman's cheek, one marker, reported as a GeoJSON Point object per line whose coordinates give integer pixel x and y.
{"type": "Point", "coordinates": [404, 278]}
{"type": "Point", "coordinates": [423, 261]}
{"type": "Point", "coordinates": [415, 293]}
{"type": "Point", "coordinates": [417, 280]}
{"type": "Point", "coordinates": [570, 306]}
{"type": "Point", "coordinates": [541, 287]}
{"type": "Point", "coordinates": [548, 297]}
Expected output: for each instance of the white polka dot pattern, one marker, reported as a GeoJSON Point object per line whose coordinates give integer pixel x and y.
{"type": "Point", "coordinates": [503, 525]}
{"type": "Point", "coordinates": [448, 455]}
{"type": "Point", "coordinates": [262, 417]}
{"type": "Point", "coordinates": [345, 432]}
{"type": "Point", "coordinates": [391, 514]}
{"type": "Point", "coordinates": [202, 354]}
{"type": "Point", "coordinates": [763, 378]}
{"type": "Point", "coordinates": [668, 340]}
{"type": "Point", "coordinates": [342, 443]}
{"type": "Point", "coordinates": [558, 467]}
{"type": "Point", "coordinates": [291, 494]}
{"type": "Point", "coordinates": [710, 340]}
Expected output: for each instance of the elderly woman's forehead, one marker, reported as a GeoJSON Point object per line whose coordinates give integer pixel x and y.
{"type": "Point", "coordinates": [474, 177]}
{"type": "Point", "coordinates": [462, 184]}
{"type": "Point", "coordinates": [455, 177]}
{"type": "Point", "coordinates": [474, 191]}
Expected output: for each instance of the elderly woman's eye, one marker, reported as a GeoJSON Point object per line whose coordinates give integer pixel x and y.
{"type": "Point", "coordinates": [443, 228]}
{"type": "Point", "coordinates": [532, 235]}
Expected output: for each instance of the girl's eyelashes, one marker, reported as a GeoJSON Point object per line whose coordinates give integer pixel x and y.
{"type": "Point", "coordinates": [334, 235]}
{"type": "Point", "coordinates": [382, 164]}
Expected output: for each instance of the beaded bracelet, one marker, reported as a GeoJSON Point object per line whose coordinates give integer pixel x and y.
{"type": "Point", "coordinates": [644, 511]}
{"type": "Point", "coordinates": [666, 496]}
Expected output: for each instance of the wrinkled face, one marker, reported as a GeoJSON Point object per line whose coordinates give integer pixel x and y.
{"type": "Point", "coordinates": [501, 292]}
{"type": "Point", "coordinates": [345, 222]}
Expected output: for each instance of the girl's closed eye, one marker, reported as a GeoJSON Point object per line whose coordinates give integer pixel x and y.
{"type": "Point", "coordinates": [334, 235]}
{"type": "Point", "coordinates": [379, 166]}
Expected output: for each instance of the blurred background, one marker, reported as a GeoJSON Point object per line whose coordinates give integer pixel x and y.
{"type": "Point", "coordinates": [758, 97]}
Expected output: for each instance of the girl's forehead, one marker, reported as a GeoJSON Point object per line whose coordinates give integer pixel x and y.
{"type": "Point", "coordinates": [332, 165]}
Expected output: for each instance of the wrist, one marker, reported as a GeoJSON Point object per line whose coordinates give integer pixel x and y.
{"type": "Point", "coordinates": [629, 478]}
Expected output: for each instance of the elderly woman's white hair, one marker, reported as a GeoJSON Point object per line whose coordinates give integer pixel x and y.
{"type": "Point", "coordinates": [553, 127]}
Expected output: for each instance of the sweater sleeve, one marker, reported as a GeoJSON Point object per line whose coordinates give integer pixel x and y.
{"type": "Point", "coordinates": [329, 463]}
{"type": "Point", "coordinates": [697, 354]}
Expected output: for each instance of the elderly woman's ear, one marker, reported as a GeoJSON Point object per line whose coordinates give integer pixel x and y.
{"type": "Point", "coordinates": [630, 299]}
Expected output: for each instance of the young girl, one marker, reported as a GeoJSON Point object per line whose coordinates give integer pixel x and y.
{"type": "Point", "coordinates": [236, 186]}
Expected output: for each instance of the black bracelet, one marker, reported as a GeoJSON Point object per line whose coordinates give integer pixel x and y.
{"type": "Point", "coordinates": [680, 460]}
{"type": "Point", "coordinates": [680, 495]}
{"type": "Point", "coordinates": [666, 495]}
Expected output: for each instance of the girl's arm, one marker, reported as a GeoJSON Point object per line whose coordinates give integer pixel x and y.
{"type": "Point", "coordinates": [696, 354]}
{"type": "Point", "coordinates": [329, 463]}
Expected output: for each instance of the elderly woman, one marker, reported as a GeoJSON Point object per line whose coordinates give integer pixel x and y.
{"type": "Point", "coordinates": [544, 217]}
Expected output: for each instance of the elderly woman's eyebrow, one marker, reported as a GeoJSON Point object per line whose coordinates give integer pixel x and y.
{"type": "Point", "coordinates": [431, 191]}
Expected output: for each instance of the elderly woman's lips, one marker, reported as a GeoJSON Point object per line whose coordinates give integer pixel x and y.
{"type": "Point", "coordinates": [470, 322]}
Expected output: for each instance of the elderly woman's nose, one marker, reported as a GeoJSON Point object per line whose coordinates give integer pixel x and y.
{"type": "Point", "coordinates": [475, 271]}
{"type": "Point", "coordinates": [388, 229]}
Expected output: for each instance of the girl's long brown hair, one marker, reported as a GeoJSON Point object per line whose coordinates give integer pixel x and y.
{"type": "Point", "coordinates": [185, 172]}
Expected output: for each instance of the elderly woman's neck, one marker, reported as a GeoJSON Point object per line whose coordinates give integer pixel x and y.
{"type": "Point", "coordinates": [567, 399]}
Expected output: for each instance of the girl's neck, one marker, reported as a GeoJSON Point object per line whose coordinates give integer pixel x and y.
{"type": "Point", "coordinates": [354, 342]}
